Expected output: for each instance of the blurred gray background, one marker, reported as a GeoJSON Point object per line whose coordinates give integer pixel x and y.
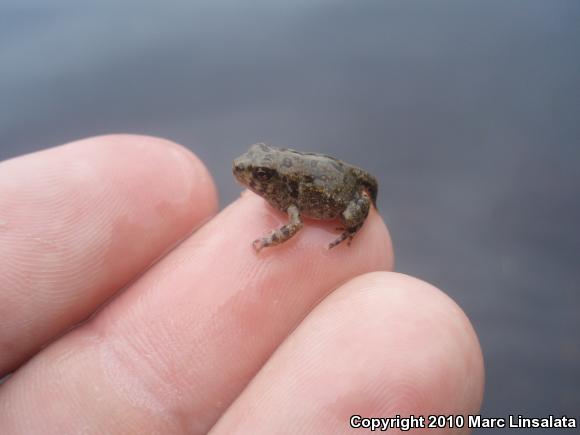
{"type": "Point", "coordinates": [467, 112]}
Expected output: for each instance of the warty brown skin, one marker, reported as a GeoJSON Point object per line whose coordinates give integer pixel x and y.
{"type": "Point", "coordinates": [306, 184]}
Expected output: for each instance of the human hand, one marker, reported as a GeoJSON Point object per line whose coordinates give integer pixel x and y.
{"type": "Point", "coordinates": [212, 337]}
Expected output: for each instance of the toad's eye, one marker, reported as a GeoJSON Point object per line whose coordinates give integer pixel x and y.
{"type": "Point", "coordinates": [263, 174]}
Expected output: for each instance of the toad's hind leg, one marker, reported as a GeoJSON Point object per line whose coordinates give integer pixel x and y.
{"type": "Point", "coordinates": [353, 218]}
{"type": "Point", "coordinates": [283, 233]}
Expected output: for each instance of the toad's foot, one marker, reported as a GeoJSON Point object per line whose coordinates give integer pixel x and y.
{"type": "Point", "coordinates": [280, 235]}
{"type": "Point", "coordinates": [344, 236]}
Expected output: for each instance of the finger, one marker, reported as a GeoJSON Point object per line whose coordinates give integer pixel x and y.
{"type": "Point", "coordinates": [79, 221]}
{"type": "Point", "coordinates": [382, 345]}
{"type": "Point", "coordinates": [174, 350]}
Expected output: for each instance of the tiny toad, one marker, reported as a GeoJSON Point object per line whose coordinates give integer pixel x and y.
{"type": "Point", "coordinates": [307, 184]}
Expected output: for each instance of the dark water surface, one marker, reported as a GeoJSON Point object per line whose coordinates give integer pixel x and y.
{"type": "Point", "coordinates": [468, 113]}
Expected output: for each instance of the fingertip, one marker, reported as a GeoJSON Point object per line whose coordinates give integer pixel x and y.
{"type": "Point", "coordinates": [174, 168]}
{"type": "Point", "coordinates": [438, 355]}
{"type": "Point", "coordinates": [382, 345]}
{"type": "Point", "coordinates": [81, 220]}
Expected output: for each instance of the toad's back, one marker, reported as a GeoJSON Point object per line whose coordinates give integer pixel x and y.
{"type": "Point", "coordinates": [325, 184]}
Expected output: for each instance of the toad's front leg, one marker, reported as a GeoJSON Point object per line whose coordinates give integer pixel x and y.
{"type": "Point", "coordinates": [283, 233]}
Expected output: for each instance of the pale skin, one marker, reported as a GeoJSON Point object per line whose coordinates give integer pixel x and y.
{"type": "Point", "coordinates": [320, 334]}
